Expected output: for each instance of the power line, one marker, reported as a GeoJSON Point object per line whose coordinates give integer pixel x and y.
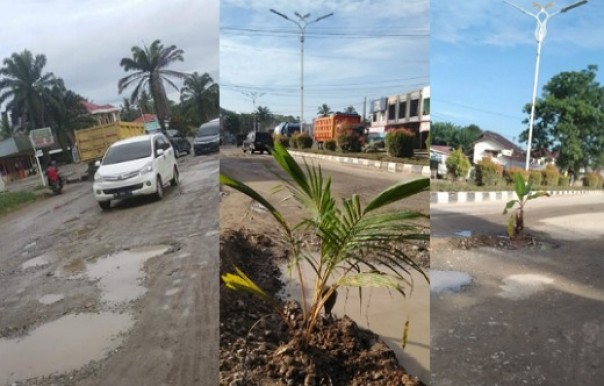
{"type": "Point", "coordinates": [338, 35]}
{"type": "Point", "coordinates": [477, 109]}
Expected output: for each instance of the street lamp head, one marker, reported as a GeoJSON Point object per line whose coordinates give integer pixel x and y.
{"type": "Point", "coordinates": [574, 5]}
{"type": "Point", "coordinates": [324, 17]}
{"type": "Point", "coordinates": [279, 13]}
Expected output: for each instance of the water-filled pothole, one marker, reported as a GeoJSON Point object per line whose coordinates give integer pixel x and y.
{"type": "Point", "coordinates": [448, 281]}
{"type": "Point", "coordinates": [65, 344]}
{"type": "Point", "coordinates": [120, 274]}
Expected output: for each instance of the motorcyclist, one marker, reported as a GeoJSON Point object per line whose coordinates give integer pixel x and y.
{"type": "Point", "coordinates": [52, 172]}
{"type": "Point", "coordinates": [54, 178]}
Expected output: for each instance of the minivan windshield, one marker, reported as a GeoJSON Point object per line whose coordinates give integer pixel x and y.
{"type": "Point", "coordinates": [127, 152]}
{"type": "Point", "coordinates": [207, 130]}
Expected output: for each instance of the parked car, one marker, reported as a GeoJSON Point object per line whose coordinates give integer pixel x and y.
{"type": "Point", "coordinates": [257, 141]}
{"type": "Point", "coordinates": [135, 166]}
{"type": "Point", "coordinates": [207, 138]}
{"type": "Point", "coordinates": [179, 142]}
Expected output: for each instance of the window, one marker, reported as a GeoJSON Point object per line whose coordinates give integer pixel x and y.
{"type": "Point", "coordinates": [426, 106]}
{"type": "Point", "coordinates": [391, 112]}
{"type": "Point", "coordinates": [414, 108]}
{"type": "Point", "coordinates": [402, 110]}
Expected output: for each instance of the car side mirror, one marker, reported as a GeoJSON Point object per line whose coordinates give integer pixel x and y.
{"type": "Point", "coordinates": [159, 152]}
{"type": "Point", "coordinates": [97, 163]}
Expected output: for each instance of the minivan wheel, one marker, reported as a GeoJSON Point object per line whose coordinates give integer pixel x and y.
{"type": "Point", "coordinates": [105, 205]}
{"type": "Point", "coordinates": [159, 193]}
{"type": "Point", "coordinates": [174, 180]}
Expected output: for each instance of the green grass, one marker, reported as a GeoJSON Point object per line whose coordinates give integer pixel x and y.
{"type": "Point", "coordinates": [10, 201]}
{"type": "Point", "coordinates": [448, 186]}
{"type": "Point", "coordinates": [370, 156]}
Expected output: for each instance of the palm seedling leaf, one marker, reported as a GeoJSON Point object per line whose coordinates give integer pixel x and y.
{"type": "Point", "coordinates": [398, 192]}
{"type": "Point", "coordinates": [239, 281]}
{"type": "Point", "coordinates": [520, 186]}
{"type": "Point", "coordinates": [537, 195]}
{"type": "Point", "coordinates": [509, 205]}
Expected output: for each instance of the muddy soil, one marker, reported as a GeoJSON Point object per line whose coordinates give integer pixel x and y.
{"type": "Point", "coordinates": [127, 296]}
{"type": "Point", "coordinates": [256, 348]}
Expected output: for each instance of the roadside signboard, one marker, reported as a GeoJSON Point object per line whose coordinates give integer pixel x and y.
{"type": "Point", "coordinates": [42, 137]}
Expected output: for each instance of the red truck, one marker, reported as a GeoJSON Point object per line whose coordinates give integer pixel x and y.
{"type": "Point", "coordinates": [327, 127]}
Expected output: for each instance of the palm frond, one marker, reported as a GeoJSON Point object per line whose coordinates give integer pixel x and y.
{"type": "Point", "coordinates": [398, 192]}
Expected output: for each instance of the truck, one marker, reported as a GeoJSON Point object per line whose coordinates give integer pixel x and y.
{"type": "Point", "coordinates": [94, 141]}
{"type": "Point", "coordinates": [327, 127]}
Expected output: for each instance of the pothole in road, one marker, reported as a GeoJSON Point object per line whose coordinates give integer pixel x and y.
{"type": "Point", "coordinates": [448, 281]}
{"type": "Point", "coordinates": [522, 286]}
{"type": "Point", "coordinates": [63, 345]}
{"type": "Point", "coordinates": [120, 274]}
{"type": "Point", "coordinates": [51, 298]}
{"type": "Point", "coordinates": [39, 261]}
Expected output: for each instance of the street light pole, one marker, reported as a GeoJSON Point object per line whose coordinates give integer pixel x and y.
{"type": "Point", "coordinates": [302, 23]}
{"type": "Point", "coordinates": [541, 17]}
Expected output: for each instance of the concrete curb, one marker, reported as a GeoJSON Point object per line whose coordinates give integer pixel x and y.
{"type": "Point", "coordinates": [463, 197]}
{"type": "Point", "coordinates": [393, 167]}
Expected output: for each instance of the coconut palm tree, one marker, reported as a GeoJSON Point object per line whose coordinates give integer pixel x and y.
{"type": "Point", "coordinates": [199, 98]}
{"type": "Point", "coordinates": [150, 66]}
{"type": "Point", "coordinates": [324, 110]}
{"type": "Point", "coordinates": [28, 89]}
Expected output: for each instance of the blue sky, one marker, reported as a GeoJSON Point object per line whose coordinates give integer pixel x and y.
{"type": "Point", "coordinates": [483, 58]}
{"type": "Point", "coordinates": [347, 57]}
{"type": "Point", "coordinates": [84, 41]}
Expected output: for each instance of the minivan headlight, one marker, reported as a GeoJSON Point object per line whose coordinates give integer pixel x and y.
{"type": "Point", "coordinates": [98, 177]}
{"type": "Point", "coordinates": [148, 168]}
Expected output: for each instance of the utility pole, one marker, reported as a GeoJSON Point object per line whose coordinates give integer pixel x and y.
{"type": "Point", "coordinates": [302, 23]}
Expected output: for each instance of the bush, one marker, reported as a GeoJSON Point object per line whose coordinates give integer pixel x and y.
{"type": "Point", "coordinates": [330, 145]}
{"type": "Point", "coordinates": [488, 173]}
{"type": "Point", "coordinates": [349, 141]}
{"type": "Point", "coordinates": [551, 175]}
{"type": "Point", "coordinates": [400, 143]}
{"type": "Point", "coordinates": [458, 164]}
{"type": "Point", "coordinates": [564, 181]}
{"type": "Point", "coordinates": [282, 139]}
{"type": "Point", "coordinates": [293, 140]}
{"type": "Point", "coordinates": [535, 177]}
{"type": "Point", "coordinates": [508, 174]}
{"type": "Point", "coordinates": [304, 141]}
{"type": "Point", "coordinates": [593, 180]}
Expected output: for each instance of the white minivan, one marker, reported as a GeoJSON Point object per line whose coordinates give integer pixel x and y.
{"type": "Point", "coordinates": [135, 166]}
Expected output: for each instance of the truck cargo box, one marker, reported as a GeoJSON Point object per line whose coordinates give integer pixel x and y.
{"type": "Point", "coordinates": [93, 142]}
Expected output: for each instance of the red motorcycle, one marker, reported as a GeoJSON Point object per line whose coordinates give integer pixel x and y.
{"type": "Point", "coordinates": [55, 181]}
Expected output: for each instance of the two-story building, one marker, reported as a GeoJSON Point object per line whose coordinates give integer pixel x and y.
{"type": "Point", "coordinates": [410, 110]}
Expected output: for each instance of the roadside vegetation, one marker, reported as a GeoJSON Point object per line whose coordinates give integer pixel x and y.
{"type": "Point", "coordinates": [11, 201]}
{"type": "Point", "coordinates": [524, 193]}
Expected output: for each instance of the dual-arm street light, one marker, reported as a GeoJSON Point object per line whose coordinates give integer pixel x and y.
{"type": "Point", "coordinates": [541, 17]}
{"type": "Point", "coordinates": [302, 23]}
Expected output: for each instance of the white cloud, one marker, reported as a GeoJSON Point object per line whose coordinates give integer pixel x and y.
{"type": "Point", "coordinates": [496, 23]}
{"type": "Point", "coordinates": [338, 70]}
{"type": "Point", "coordinates": [85, 41]}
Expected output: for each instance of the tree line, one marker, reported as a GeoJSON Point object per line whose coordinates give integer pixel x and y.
{"type": "Point", "coordinates": [36, 98]}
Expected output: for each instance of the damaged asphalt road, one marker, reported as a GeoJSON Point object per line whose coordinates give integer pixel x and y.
{"type": "Point", "coordinates": [93, 298]}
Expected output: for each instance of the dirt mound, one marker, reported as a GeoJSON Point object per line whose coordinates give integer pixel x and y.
{"type": "Point", "coordinates": [256, 347]}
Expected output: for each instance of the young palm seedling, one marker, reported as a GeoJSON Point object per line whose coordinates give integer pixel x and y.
{"type": "Point", "coordinates": [524, 193]}
{"type": "Point", "coordinates": [359, 246]}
